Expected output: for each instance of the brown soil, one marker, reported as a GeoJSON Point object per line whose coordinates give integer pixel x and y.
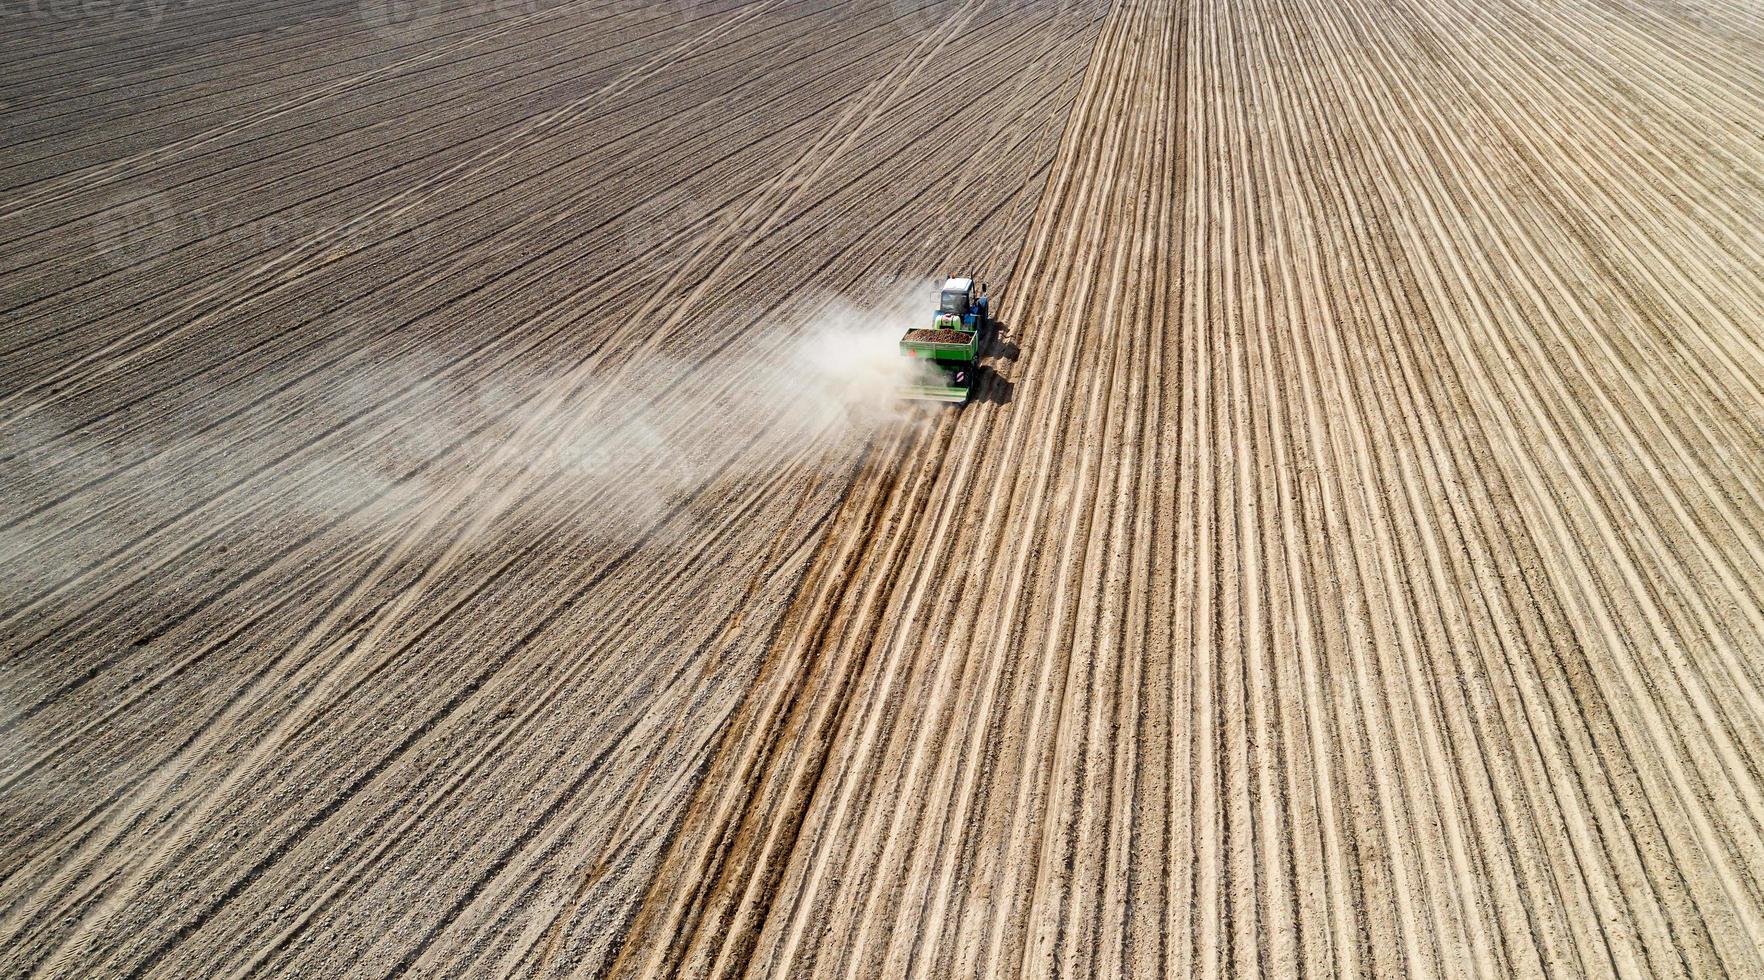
{"type": "Point", "coordinates": [1364, 575]}
{"type": "Point", "coordinates": [938, 336]}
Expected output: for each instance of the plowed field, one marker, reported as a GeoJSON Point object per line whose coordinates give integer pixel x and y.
{"type": "Point", "coordinates": [456, 522]}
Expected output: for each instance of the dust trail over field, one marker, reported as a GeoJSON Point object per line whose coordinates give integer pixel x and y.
{"type": "Point", "coordinates": [828, 378]}
{"type": "Point", "coordinates": [825, 374]}
{"type": "Point", "coordinates": [455, 525]}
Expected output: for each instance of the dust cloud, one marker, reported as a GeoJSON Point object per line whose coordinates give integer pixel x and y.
{"type": "Point", "coordinates": [627, 438]}
{"type": "Point", "coordinates": [808, 391]}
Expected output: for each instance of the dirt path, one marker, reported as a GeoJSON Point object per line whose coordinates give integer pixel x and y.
{"type": "Point", "coordinates": [440, 547]}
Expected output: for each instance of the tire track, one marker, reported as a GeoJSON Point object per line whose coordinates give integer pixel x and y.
{"type": "Point", "coordinates": [1352, 566]}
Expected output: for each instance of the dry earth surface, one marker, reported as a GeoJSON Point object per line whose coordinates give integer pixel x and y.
{"type": "Point", "coordinates": [452, 527]}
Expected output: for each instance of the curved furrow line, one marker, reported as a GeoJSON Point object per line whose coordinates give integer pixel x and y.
{"type": "Point", "coordinates": [1371, 262]}
{"type": "Point", "coordinates": [1620, 757]}
{"type": "Point", "coordinates": [1598, 608]}
{"type": "Point", "coordinates": [1703, 544]}
{"type": "Point", "coordinates": [1711, 450]}
{"type": "Point", "coordinates": [491, 749]}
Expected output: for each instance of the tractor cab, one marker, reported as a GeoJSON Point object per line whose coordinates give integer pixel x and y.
{"type": "Point", "coordinates": [955, 298]}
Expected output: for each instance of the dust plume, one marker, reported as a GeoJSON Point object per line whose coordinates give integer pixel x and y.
{"type": "Point", "coordinates": [805, 389]}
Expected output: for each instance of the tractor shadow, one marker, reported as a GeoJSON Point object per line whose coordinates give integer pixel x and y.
{"type": "Point", "coordinates": [994, 388]}
{"type": "Point", "coordinates": [1002, 345]}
